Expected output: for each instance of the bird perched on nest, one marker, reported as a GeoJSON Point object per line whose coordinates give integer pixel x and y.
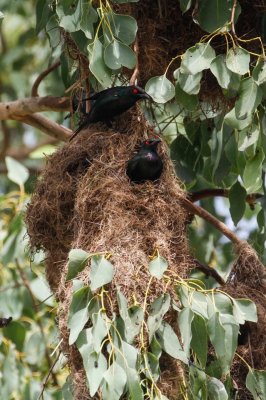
{"type": "Point", "coordinates": [146, 165]}
{"type": "Point", "coordinates": [111, 102]}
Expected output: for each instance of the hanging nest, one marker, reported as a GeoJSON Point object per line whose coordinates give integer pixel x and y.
{"type": "Point", "coordinates": [85, 200]}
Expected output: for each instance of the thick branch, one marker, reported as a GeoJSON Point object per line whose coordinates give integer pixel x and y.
{"type": "Point", "coordinates": [47, 126]}
{"type": "Point", "coordinates": [193, 209]}
{"type": "Point", "coordinates": [207, 270]}
{"type": "Point", "coordinates": [34, 90]}
{"type": "Point", "coordinates": [13, 109]}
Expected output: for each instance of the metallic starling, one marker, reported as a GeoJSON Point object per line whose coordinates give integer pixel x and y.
{"type": "Point", "coordinates": [111, 102]}
{"type": "Point", "coordinates": [146, 165]}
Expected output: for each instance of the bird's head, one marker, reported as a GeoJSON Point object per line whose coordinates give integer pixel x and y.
{"type": "Point", "coordinates": [150, 144]}
{"type": "Point", "coordinates": [139, 93]}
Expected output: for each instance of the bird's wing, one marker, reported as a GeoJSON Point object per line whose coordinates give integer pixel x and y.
{"type": "Point", "coordinates": [103, 93]}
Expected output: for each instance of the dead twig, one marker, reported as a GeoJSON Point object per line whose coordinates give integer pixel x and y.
{"type": "Point", "coordinates": [134, 77]}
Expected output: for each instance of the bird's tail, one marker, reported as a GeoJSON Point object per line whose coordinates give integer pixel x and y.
{"type": "Point", "coordinates": [84, 124]}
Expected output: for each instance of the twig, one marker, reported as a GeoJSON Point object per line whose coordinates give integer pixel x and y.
{"type": "Point", "coordinates": [38, 320]}
{"type": "Point", "coordinates": [194, 209]}
{"type": "Point", "coordinates": [48, 376]}
{"type": "Point", "coordinates": [232, 20]}
{"type": "Point", "coordinates": [134, 77]}
{"type": "Point", "coordinates": [203, 194]}
{"type": "Point", "coordinates": [35, 86]}
{"type": "Point", "coordinates": [207, 270]}
{"type": "Point", "coordinates": [5, 321]}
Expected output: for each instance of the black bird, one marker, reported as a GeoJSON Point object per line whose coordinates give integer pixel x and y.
{"type": "Point", "coordinates": [146, 165]}
{"type": "Point", "coordinates": [111, 102]}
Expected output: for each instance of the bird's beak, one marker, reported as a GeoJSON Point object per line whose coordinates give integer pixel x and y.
{"type": "Point", "coordinates": [146, 96]}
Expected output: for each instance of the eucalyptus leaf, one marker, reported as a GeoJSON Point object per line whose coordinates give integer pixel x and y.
{"type": "Point", "coordinates": [185, 318]}
{"type": "Point", "coordinates": [114, 381]}
{"type": "Point", "coordinates": [248, 137]}
{"type": "Point", "coordinates": [213, 15]}
{"type": "Point", "coordinates": [16, 172]}
{"type": "Point", "coordinates": [78, 312]}
{"type": "Point", "coordinates": [123, 27]}
{"type": "Point", "coordinates": [199, 340]}
{"type": "Point", "coordinates": [244, 310]}
{"type": "Point", "coordinates": [77, 260]}
{"type": "Point", "coordinates": [118, 54]}
{"type": "Point", "coordinates": [158, 266]}
{"type": "Point", "coordinates": [70, 22]}
{"type": "Point", "coordinates": [160, 89]}
{"type": "Point", "coordinates": [237, 60]}
{"type": "Point", "coordinates": [249, 98]}
{"type": "Point", "coordinates": [101, 272]}
{"type": "Point", "coordinates": [197, 58]}
{"type": "Point", "coordinates": [256, 383]}
{"type": "Point", "coordinates": [188, 83]}
{"type": "Point", "coordinates": [100, 329]}
{"type": "Point", "coordinates": [259, 72]}
{"type": "Point", "coordinates": [216, 389]}
{"type": "Point", "coordinates": [220, 71]}
{"type": "Point", "coordinates": [95, 367]}
{"type": "Point", "coordinates": [189, 101]}
{"type": "Point", "coordinates": [89, 18]}
{"type": "Point", "coordinates": [252, 178]}
{"type": "Point", "coordinates": [237, 199]}
{"type": "Point", "coordinates": [97, 65]}
{"type": "Point", "coordinates": [169, 341]}
{"type": "Point", "coordinates": [158, 309]}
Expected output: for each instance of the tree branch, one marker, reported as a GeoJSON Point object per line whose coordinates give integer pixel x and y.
{"type": "Point", "coordinates": [232, 21]}
{"type": "Point", "coordinates": [193, 209]}
{"type": "Point", "coordinates": [31, 105]}
{"type": "Point", "coordinates": [34, 90]}
{"type": "Point", "coordinates": [25, 151]}
{"type": "Point", "coordinates": [207, 270]}
{"type": "Point", "coordinates": [203, 194]}
{"type": "Point", "coordinates": [47, 126]}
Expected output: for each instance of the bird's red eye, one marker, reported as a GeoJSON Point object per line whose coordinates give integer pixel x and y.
{"type": "Point", "coordinates": [147, 142]}
{"type": "Point", "coordinates": [135, 91]}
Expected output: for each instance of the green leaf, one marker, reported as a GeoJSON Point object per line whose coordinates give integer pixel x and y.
{"type": "Point", "coordinates": [152, 367]}
{"type": "Point", "coordinates": [237, 199]}
{"type": "Point", "coordinates": [237, 60]}
{"type": "Point", "coordinates": [41, 290]}
{"type": "Point", "coordinates": [169, 341]}
{"type": "Point", "coordinates": [259, 72]}
{"type": "Point", "coordinates": [16, 172]}
{"type": "Point", "coordinates": [118, 54]}
{"type": "Point", "coordinates": [160, 89]}
{"type": "Point", "coordinates": [189, 101]}
{"type": "Point", "coordinates": [199, 341]}
{"type": "Point", "coordinates": [158, 309]}
{"type": "Point", "coordinates": [158, 266]}
{"type": "Point", "coordinates": [252, 173]}
{"type": "Point", "coordinates": [231, 120]}
{"type": "Point", "coordinates": [134, 386]}
{"type": "Point", "coordinates": [185, 318]}
{"type": "Point", "coordinates": [188, 83]}
{"type": "Point", "coordinates": [217, 334]}
{"type": "Point", "coordinates": [221, 72]}
{"type": "Point", "coordinates": [97, 65]}
{"type": "Point", "coordinates": [95, 368]}
{"type": "Point", "coordinates": [89, 18]}
{"type": "Point", "coordinates": [197, 58]}
{"type": "Point", "coordinates": [78, 312]}
{"type": "Point", "coordinates": [244, 310]}
{"type": "Point", "coordinates": [101, 272]}
{"type": "Point", "coordinates": [16, 332]}
{"type": "Point", "coordinates": [114, 382]}
{"type": "Point", "coordinates": [256, 384]}
{"type": "Point", "coordinates": [185, 5]}
{"type": "Point", "coordinates": [216, 389]}
{"type": "Point", "coordinates": [42, 14]}
{"type": "Point", "coordinates": [99, 330]}
{"type": "Point", "coordinates": [127, 356]}
{"type": "Point", "coordinates": [248, 137]}
{"type": "Point", "coordinates": [77, 260]}
{"type": "Point", "coordinates": [213, 15]}
{"type": "Point", "coordinates": [53, 32]}
{"type": "Point", "coordinates": [34, 348]}
{"type": "Point", "coordinates": [70, 22]}
{"type": "Point", "coordinates": [124, 27]}
{"type": "Point", "coordinates": [249, 98]}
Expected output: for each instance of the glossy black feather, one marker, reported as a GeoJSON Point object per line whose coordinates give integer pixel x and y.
{"type": "Point", "coordinates": [146, 164]}
{"type": "Point", "coordinates": [111, 102]}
